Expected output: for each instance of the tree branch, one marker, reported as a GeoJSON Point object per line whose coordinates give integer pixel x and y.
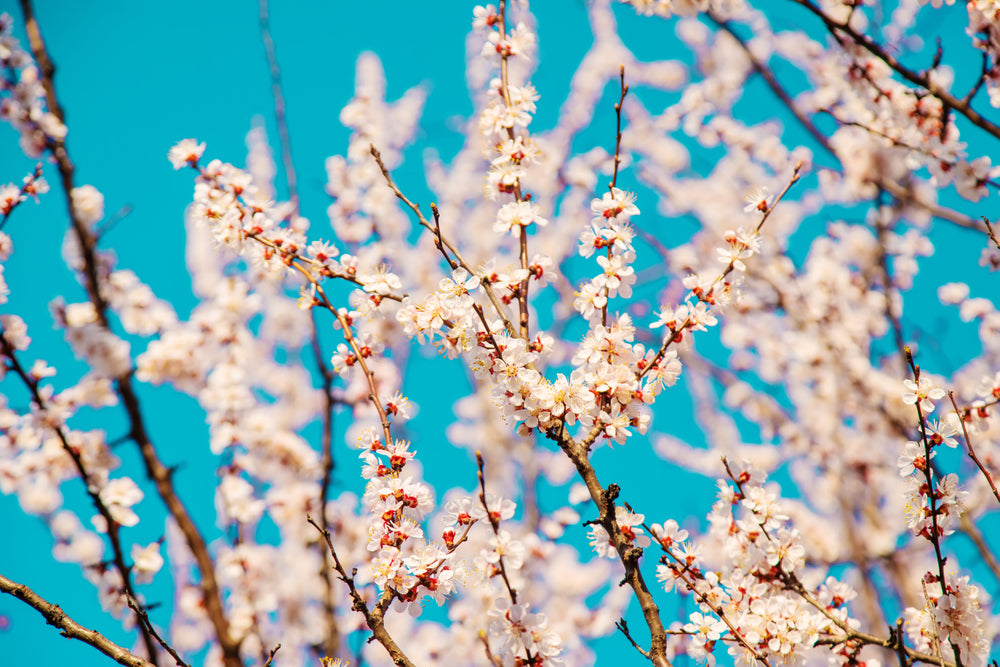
{"type": "Point", "coordinates": [55, 616]}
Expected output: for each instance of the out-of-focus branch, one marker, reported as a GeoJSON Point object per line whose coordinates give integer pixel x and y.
{"type": "Point", "coordinates": [779, 91]}
{"type": "Point", "coordinates": [902, 194]}
{"type": "Point", "coordinates": [971, 530]}
{"type": "Point", "coordinates": [332, 639]}
{"type": "Point", "coordinates": [56, 617]}
{"type": "Point", "coordinates": [155, 470]}
{"type": "Point", "coordinates": [331, 642]}
{"type": "Point", "coordinates": [962, 106]}
{"type": "Point", "coordinates": [279, 104]}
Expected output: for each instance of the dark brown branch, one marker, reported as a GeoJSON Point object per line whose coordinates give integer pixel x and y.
{"type": "Point", "coordinates": [935, 532]}
{"type": "Point", "coordinates": [627, 553]}
{"type": "Point", "coordinates": [902, 194]}
{"type": "Point", "coordinates": [991, 233]}
{"type": "Point", "coordinates": [155, 470]}
{"type": "Point", "coordinates": [56, 617]}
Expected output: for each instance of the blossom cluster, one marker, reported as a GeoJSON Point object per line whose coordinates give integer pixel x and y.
{"type": "Point", "coordinates": [404, 562]}
{"type": "Point", "coordinates": [750, 581]}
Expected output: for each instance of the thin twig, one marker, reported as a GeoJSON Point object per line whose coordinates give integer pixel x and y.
{"type": "Point", "coordinates": [991, 233]}
{"type": "Point", "coordinates": [971, 530]}
{"type": "Point", "coordinates": [270, 656]}
{"type": "Point", "coordinates": [279, 104]}
{"type": "Point", "coordinates": [972, 452]}
{"type": "Point", "coordinates": [490, 293]}
{"type": "Point", "coordinates": [494, 659]}
{"type": "Point", "coordinates": [494, 520]}
{"type": "Point", "coordinates": [622, 626]}
{"type": "Point", "coordinates": [793, 583]}
{"type": "Point", "coordinates": [618, 129]}
{"type": "Point", "coordinates": [614, 176]}
{"type": "Point", "coordinates": [674, 334]}
{"type": "Point", "coordinates": [144, 619]}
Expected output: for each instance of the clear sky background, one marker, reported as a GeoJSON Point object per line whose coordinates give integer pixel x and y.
{"type": "Point", "coordinates": [136, 77]}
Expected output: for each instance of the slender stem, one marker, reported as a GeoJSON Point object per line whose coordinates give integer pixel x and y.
{"type": "Point", "coordinates": [270, 655]}
{"type": "Point", "coordinates": [522, 294]}
{"type": "Point", "coordinates": [972, 452]}
{"type": "Point", "coordinates": [495, 525]}
{"type": "Point", "coordinates": [935, 532]}
{"type": "Point", "coordinates": [618, 129]}
{"type": "Point", "coordinates": [279, 104]}
{"type": "Point", "coordinates": [148, 625]}
{"type": "Point", "coordinates": [684, 571]}
{"type": "Point", "coordinates": [490, 292]}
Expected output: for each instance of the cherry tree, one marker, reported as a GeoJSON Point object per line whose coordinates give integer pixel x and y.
{"type": "Point", "coordinates": [744, 254]}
